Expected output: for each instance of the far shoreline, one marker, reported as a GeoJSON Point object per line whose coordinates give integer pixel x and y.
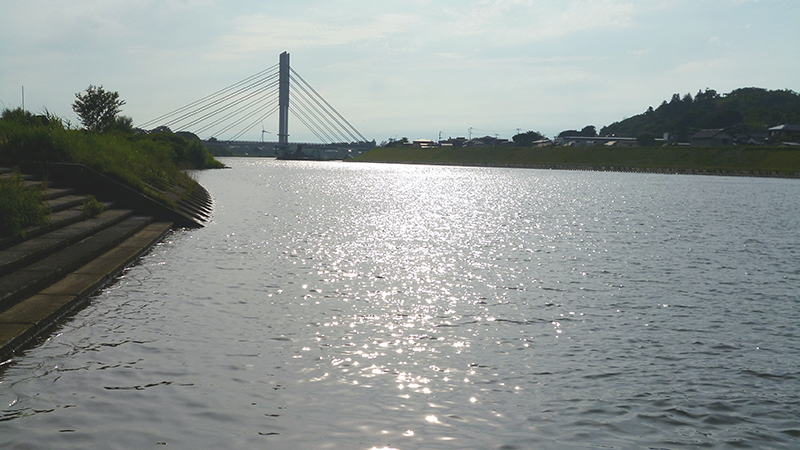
{"type": "Point", "coordinates": [759, 162]}
{"type": "Point", "coordinates": [594, 169]}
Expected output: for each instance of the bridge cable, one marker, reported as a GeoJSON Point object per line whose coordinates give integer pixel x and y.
{"type": "Point", "coordinates": [335, 134]}
{"type": "Point", "coordinates": [192, 104]}
{"type": "Point", "coordinates": [236, 111]}
{"type": "Point", "coordinates": [250, 127]}
{"type": "Point", "coordinates": [313, 125]}
{"type": "Point", "coordinates": [240, 120]}
{"type": "Point", "coordinates": [326, 115]}
{"type": "Point", "coordinates": [301, 106]}
{"type": "Point", "coordinates": [217, 102]}
{"type": "Point", "coordinates": [317, 134]}
{"type": "Point", "coordinates": [329, 105]}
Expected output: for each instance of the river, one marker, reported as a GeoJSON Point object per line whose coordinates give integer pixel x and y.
{"type": "Point", "coordinates": [367, 306]}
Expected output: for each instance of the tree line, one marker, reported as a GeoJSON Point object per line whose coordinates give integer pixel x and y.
{"type": "Point", "coordinates": [744, 110]}
{"type": "Point", "coordinates": [740, 111]}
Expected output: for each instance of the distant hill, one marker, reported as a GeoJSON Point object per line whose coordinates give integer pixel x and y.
{"type": "Point", "coordinates": [742, 110]}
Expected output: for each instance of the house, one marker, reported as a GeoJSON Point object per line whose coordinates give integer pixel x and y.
{"type": "Point", "coordinates": [454, 142]}
{"type": "Point", "coordinates": [424, 143]}
{"type": "Point", "coordinates": [751, 137]}
{"type": "Point", "coordinates": [542, 143]}
{"type": "Point", "coordinates": [710, 138]}
{"type": "Point", "coordinates": [621, 142]}
{"type": "Point", "coordinates": [486, 140]}
{"type": "Point", "coordinates": [785, 132]}
{"type": "Point", "coordinates": [610, 141]}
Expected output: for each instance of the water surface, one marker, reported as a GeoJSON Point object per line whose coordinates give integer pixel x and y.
{"type": "Point", "coordinates": [361, 306]}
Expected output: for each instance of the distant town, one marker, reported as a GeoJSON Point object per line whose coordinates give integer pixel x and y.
{"type": "Point", "coordinates": [785, 134]}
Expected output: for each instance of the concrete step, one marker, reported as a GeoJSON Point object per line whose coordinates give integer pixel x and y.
{"type": "Point", "coordinates": [43, 271]}
{"type": "Point", "coordinates": [6, 172]}
{"type": "Point", "coordinates": [51, 193]}
{"type": "Point", "coordinates": [32, 316]}
{"type": "Point", "coordinates": [58, 220]}
{"type": "Point", "coordinates": [30, 184]}
{"type": "Point", "coordinates": [66, 202]}
{"type": "Point", "coordinates": [30, 250]}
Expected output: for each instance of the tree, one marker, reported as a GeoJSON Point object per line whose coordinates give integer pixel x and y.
{"type": "Point", "coordinates": [569, 133]}
{"type": "Point", "coordinates": [527, 138]}
{"type": "Point", "coordinates": [397, 143]}
{"type": "Point", "coordinates": [645, 139]}
{"type": "Point", "coordinates": [97, 108]}
{"type": "Point", "coordinates": [122, 124]}
{"type": "Point", "coordinates": [589, 131]}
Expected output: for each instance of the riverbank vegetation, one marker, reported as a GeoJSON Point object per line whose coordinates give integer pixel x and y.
{"type": "Point", "coordinates": [744, 110]}
{"type": "Point", "coordinates": [20, 207]}
{"type": "Point", "coordinates": [149, 162]}
{"type": "Point", "coordinates": [739, 160]}
{"type": "Point", "coordinates": [129, 156]}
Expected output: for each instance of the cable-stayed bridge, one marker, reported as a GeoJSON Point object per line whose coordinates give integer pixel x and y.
{"type": "Point", "coordinates": [232, 112]}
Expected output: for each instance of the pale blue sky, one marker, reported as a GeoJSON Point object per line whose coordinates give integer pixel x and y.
{"type": "Point", "coordinates": [403, 68]}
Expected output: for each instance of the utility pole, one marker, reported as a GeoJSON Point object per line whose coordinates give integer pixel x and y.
{"type": "Point", "coordinates": [23, 98]}
{"type": "Point", "coordinates": [470, 133]}
{"type": "Point", "coordinates": [283, 101]}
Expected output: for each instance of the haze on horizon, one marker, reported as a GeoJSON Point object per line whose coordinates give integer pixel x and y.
{"type": "Point", "coordinates": [410, 68]}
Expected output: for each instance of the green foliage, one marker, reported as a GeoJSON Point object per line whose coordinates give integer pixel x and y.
{"type": "Point", "coordinates": [589, 131]}
{"type": "Point", "coordinates": [569, 133]}
{"type": "Point", "coordinates": [397, 143]}
{"type": "Point", "coordinates": [97, 108]}
{"type": "Point", "coordinates": [121, 124]}
{"type": "Point", "coordinates": [217, 150]}
{"type": "Point", "coordinates": [92, 207]}
{"type": "Point", "coordinates": [645, 139]}
{"type": "Point", "coordinates": [25, 137]}
{"type": "Point", "coordinates": [152, 158]}
{"type": "Point", "coordinates": [187, 153]}
{"type": "Point", "coordinates": [20, 207]}
{"type": "Point", "coordinates": [148, 163]}
{"type": "Point", "coordinates": [740, 160]}
{"type": "Point", "coordinates": [743, 109]}
{"type": "Point", "coordinates": [527, 138]}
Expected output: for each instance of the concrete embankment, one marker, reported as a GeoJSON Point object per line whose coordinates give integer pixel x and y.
{"type": "Point", "coordinates": [56, 267]}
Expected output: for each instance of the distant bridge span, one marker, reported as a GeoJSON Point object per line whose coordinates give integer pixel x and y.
{"type": "Point", "coordinates": [237, 109]}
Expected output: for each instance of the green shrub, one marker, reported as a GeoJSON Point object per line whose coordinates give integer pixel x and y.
{"type": "Point", "coordinates": [149, 163]}
{"type": "Point", "coordinates": [92, 207]}
{"type": "Point", "coordinates": [20, 207]}
{"type": "Point", "coordinates": [25, 137]}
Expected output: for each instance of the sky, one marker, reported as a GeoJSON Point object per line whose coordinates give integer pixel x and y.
{"type": "Point", "coordinates": [402, 68]}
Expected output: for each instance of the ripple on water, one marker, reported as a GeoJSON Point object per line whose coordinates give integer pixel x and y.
{"type": "Point", "coordinates": [381, 306]}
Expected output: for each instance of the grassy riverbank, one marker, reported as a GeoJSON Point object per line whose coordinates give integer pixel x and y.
{"type": "Point", "coordinates": [749, 160]}
{"type": "Point", "coordinates": [149, 163]}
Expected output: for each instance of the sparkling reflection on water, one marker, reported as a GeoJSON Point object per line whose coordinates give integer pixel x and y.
{"type": "Point", "coordinates": [409, 307]}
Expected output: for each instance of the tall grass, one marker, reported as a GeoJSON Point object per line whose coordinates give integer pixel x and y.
{"type": "Point", "coordinates": [139, 160]}
{"type": "Point", "coordinates": [20, 207]}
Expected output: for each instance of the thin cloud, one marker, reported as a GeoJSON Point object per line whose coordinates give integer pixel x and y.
{"type": "Point", "coordinates": [700, 66]}
{"type": "Point", "coordinates": [520, 21]}
{"type": "Point", "coordinates": [253, 34]}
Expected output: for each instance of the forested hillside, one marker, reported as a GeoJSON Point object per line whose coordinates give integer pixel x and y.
{"type": "Point", "coordinates": [742, 110]}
